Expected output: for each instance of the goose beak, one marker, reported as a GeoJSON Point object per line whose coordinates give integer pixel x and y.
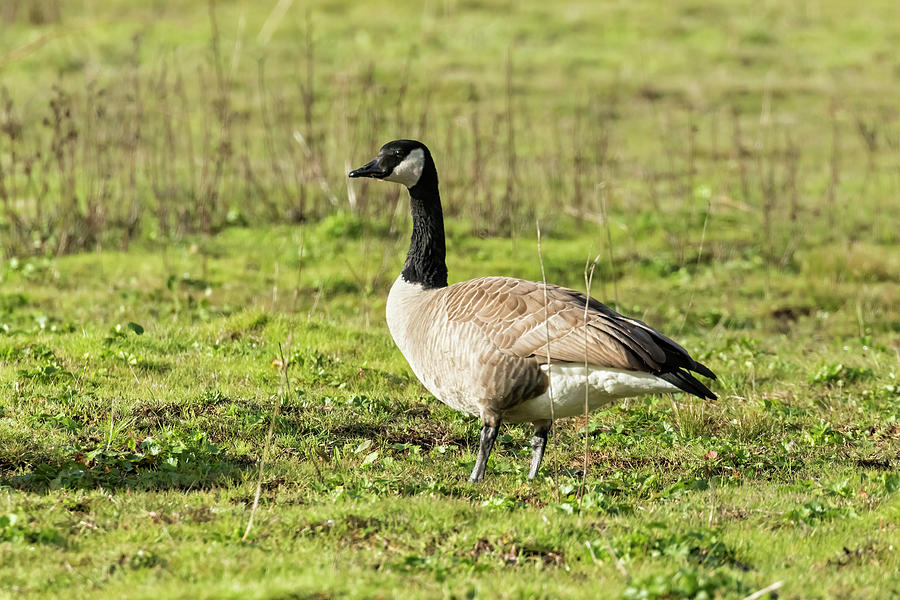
{"type": "Point", "coordinates": [372, 169]}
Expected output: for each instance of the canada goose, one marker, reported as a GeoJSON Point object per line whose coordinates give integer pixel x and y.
{"type": "Point", "coordinates": [483, 346]}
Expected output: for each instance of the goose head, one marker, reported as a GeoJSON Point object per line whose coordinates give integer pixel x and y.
{"type": "Point", "coordinates": [400, 161]}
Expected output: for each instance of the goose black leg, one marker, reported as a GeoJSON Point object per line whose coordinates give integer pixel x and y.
{"type": "Point", "coordinates": [538, 443]}
{"type": "Point", "coordinates": [488, 435]}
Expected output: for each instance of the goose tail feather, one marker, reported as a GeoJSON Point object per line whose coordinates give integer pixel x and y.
{"type": "Point", "coordinates": [688, 383]}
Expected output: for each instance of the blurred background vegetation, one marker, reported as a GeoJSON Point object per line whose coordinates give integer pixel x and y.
{"type": "Point", "coordinates": [778, 123]}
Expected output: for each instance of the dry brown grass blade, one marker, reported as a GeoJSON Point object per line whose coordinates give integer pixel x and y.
{"type": "Point", "coordinates": [547, 327]}
{"type": "Point", "coordinates": [589, 268]}
{"type": "Point", "coordinates": [266, 449]}
{"type": "Point", "coordinates": [33, 46]}
{"type": "Point", "coordinates": [690, 305]}
{"type": "Point", "coordinates": [274, 20]}
{"type": "Point", "coordinates": [765, 590]}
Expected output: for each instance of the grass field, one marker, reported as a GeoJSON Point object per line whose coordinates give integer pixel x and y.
{"type": "Point", "coordinates": [190, 286]}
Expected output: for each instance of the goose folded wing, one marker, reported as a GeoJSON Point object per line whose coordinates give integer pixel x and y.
{"type": "Point", "coordinates": [519, 317]}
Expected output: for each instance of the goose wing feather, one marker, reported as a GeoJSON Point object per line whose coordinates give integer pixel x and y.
{"type": "Point", "coordinates": [511, 315]}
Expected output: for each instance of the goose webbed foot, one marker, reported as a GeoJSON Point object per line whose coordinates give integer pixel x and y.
{"type": "Point", "coordinates": [538, 443]}
{"type": "Point", "coordinates": [488, 436]}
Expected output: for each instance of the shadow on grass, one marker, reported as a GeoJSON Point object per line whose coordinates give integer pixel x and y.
{"type": "Point", "coordinates": [424, 435]}
{"type": "Point", "coordinates": [167, 462]}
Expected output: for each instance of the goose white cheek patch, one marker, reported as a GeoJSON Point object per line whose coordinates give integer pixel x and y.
{"type": "Point", "coordinates": [409, 171]}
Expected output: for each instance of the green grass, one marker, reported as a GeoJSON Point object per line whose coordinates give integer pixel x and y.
{"type": "Point", "coordinates": [139, 387]}
{"type": "Point", "coordinates": [168, 245]}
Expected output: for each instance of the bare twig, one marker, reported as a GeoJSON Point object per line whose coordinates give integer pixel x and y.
{"type": "Point", "coordinates": [320, 177]}
{"type": "Point", "coordinates": [509, 197]}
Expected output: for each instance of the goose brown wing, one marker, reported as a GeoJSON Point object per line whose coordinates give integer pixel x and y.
{"type": "Point", "coordinates": [514, 316]}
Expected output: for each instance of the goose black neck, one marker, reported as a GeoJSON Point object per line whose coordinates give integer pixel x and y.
{"type": "Point", "coordinates": [425, 261]}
